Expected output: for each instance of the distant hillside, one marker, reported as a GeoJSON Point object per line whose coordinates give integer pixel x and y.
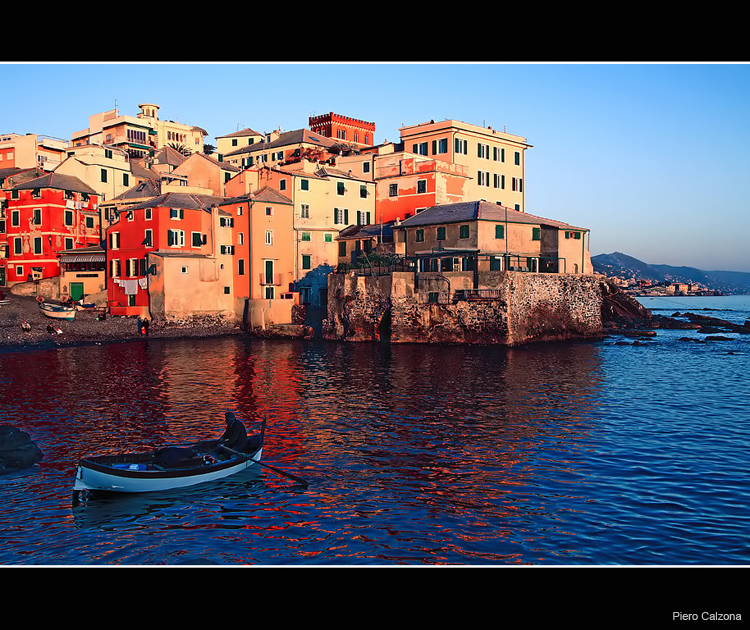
{"type": "Point", "coordinates": [624, 266]}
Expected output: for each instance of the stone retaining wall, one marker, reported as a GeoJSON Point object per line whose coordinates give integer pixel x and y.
{"type": "Point", "coordinates": [525, 307]}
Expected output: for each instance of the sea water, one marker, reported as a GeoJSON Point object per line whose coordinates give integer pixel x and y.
{"type": "Point", "coordinates": [584, 453]}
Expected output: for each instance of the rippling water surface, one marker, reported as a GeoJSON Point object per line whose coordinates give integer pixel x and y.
{"type": "Point", "coordinates": [552, 454]}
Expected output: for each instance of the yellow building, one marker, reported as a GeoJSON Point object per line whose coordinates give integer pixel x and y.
{"type": "Point", "coordinates": [495, 160]}
{"type": "Point", "coordinates": [139, 135]}
{"type": "Point", "coordinates": [235, 141]}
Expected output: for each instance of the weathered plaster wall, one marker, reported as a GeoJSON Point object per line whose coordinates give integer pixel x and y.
{"type": "Point", "coordinates": [527, 307]}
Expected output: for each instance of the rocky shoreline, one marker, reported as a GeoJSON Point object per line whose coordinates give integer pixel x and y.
{"type": "Point", "coordinates": [87, 328]}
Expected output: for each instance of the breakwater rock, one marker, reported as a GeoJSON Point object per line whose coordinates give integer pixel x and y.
{"type": "Point", "coordinates": [17, 450]}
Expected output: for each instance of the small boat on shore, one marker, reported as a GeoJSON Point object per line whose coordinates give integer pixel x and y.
{"type": "Point", "coordinates": [57, 311]}
{"type": "Point", "coordinates": [166, 468]}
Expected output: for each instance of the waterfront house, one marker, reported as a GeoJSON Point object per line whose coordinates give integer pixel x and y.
{"type": "Point", "coordinates": [170, 257]}
{"type": "Point", "coordinates": [82, 271]}
{"type": "Point", "coordinates": [262, 249]}
{"type": "Point", "coordinates": [479, 236]}
{"type": "Point", "coordinates": [325, 200]}
{"type": "Point", "coordinates": [495, 160]}
{"type": "Point", "coordinates": [46, 215]}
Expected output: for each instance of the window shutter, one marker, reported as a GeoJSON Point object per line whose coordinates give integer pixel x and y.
{"type": "Point", "coordinates": [171, 237]}
{"type": "Point", "coordinates": [346, 216]}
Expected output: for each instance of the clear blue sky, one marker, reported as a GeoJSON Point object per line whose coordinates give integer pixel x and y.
{"type": "Point", "coordinates": [653, 158]}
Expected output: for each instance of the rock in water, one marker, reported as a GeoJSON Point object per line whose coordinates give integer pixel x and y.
{"type": "Point", "coordinates": [17, 450]}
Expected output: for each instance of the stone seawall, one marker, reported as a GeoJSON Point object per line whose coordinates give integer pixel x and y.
{"type": "Point", "coordinates": [518, 308]}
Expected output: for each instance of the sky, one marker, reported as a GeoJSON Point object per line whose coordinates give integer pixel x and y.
{"type": "Point", "coordinates": [653, 158]}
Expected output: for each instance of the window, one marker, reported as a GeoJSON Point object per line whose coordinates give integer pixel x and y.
{"type": "Point", "coordinates": [38, 245]}
{"type": "Point", "coordinates": [184, 270]}
{"type": "Point", "coordinates": [483, 151]}
{"type": "Point", "coordinates": [269, 293]}
{"type": "Point", "coordinates": [363, 191]}
{"type": "Point", "coordinates": [176, 238]}
{"type": "Point", "coordinates": [148, 240]}
{"type": "Point", "coordinates": [341, 216]}
{"type": "Point", "coordinates": [305, 236]}
{"type": "Point", "coordinates": [241, 238]}
{"type": "Point", "coordinates": [282, 184]}
{"type": "Point", "coordinates": [269, 237]}
{"type": "Point", "coordinates": [439, 146]}
{"type": "Point", "coordinates": [176, 213]}
{"type": "Point", "coordinates": [340, 190]}
{"type": "Point", "coordinates": [125, 179]}
{"type": "Point", "coordinates": [305, 211]}
{"type": "Point", "coordinates": [363, 218]}
{"type": "Point", "coordinates": [419, 236]}
{"type": "Point", "coordinates": [342, 249]}
{"type": "Point", "coordinates": [365, 167]}
{"type": "Point", "coordinates": [131, 267]}
{"type": "Point", "coordinates": [227, 290]}
{"type": "Point", "coordinates": [68, 243]}
{"type": "Point", "coordinates": [422, 186]}
{"type": "Point", "coordinates": [38, 217]}
{"type": "Point", "coordinates": [463, 231]}
{"type": "Point", "coordinates": [499, 181]}
{"type": "Point", "coordinates": [574, 235]}
{"type": "Point", "coordinates": [89, 222]}
{"type": "Point", "coordinates": [536, 234]}
{"type": "Point", "coordinates": [518, 159]}
{"type": "Point", "coordinates": [517, 184]}
{"type": "Point", "coordinates": [499, 231]}
{"type": "Point", "coordinates": [306, 261]}
{"type": "Point", "coordinates": [328, 237]}
{"type": "Point", "coordinates": [498, 154]}
{"type": "Point", "coordinates": [441, 233]}
{"type": "Point", "coordinates": [15, 218]}
{"type": "Point", "coordinates": [241, 267]}
{"type": "Point", "coordinates": [304, 184]}
{"type": "Point", "coordinates": [114, 240]}
{"type": "Point", "coordinates": [114, 268]}
{"type": "Point", "coordinates": [147, 214]}
{"type": "Point", "coordinates": [104, 175]}
{"type": "Point", "coordinates": [196, 238]}
{"type": "Point", "coordinates": [461, 146]}
{"type": "Point", "coordinates": [393, 190]}
{"type": "Point", "coordinates": [483, 178]}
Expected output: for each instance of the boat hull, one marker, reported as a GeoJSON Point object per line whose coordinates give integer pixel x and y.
{"type": "Point", "coordinates": [141, 477]}
{"type": "Point", "coordinates": [57, 312]}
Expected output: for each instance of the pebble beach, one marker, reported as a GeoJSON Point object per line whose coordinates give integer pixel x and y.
{"type": "Point", "coordinates": [86, 328]}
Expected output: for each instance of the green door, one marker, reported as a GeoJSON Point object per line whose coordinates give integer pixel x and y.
{"type": "Point", "coordinates": [76, 291]}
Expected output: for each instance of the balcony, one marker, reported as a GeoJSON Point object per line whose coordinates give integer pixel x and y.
{"type": "Point", "coordinates": [270, 280]}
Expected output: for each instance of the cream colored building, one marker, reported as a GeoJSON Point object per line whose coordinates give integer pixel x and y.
{"type": "Point", "coordinates": [107, 170]}
{"type": "Point", "coordinates": [495, 160]}
{"type": "Point", "coordinates": [31, 151]}
{"type": "Point", "coordinates": [140, 135]}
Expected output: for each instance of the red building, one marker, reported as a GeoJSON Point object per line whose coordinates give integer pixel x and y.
{"type": "Point", "coordinates": [44, 216]}
{"type": "Point", "coordinates": [171, 225]}
{"type": "Point", "coordinates": [351, 130]}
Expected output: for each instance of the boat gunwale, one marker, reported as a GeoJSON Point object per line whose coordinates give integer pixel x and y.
{"type": "Point", "coordinates": [91, 463]}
